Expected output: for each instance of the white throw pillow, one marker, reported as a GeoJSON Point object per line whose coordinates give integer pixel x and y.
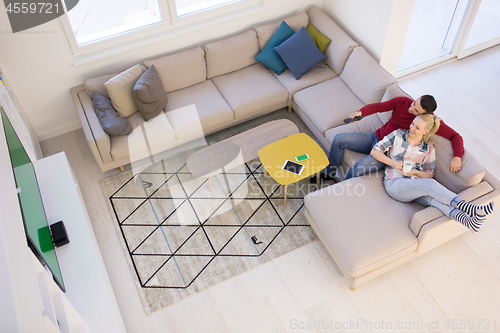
{"type": "Point", "coordinates": [120, 89]}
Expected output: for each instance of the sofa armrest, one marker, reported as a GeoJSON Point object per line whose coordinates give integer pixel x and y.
{"type": "Point", "coordinates": [429, 214]}
{"type": "Point", "coordinates": [98, 140]}
{"type": "Point", "coordinates": [442, 229]}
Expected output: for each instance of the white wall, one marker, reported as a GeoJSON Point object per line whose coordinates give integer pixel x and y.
{"type": "Point", "coordinates": [366, 21]}
{"type": "Point", "coordinates": [397, 30]}
{"type": "Point", "coordinates": [38, 64]}
{"type": "Point", "coordinates": [379, 26]}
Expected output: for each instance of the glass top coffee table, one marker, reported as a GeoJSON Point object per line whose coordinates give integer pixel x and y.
{"type": "Point", "coordinates": [274, 155]}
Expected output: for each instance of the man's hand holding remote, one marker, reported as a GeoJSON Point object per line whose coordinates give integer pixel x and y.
{"type": "Point", "coordinates": [354, 117]}
{"type": "Point", "coordinates": [356, 114]}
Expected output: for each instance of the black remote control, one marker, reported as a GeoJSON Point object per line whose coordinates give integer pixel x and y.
{"type": "Point", "coordinates": [350, 120]}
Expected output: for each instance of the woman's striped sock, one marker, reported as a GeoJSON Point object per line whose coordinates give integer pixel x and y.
{"type": "Point", "coordinates": [473, 223]}
{"type": "Point", "coordinates": [471, 209]}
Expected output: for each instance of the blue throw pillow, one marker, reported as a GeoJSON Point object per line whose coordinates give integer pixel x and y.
{"type": "Point", "coordinates": [300, 53]}
{"type": "Point", "coordinates": [268, 56]}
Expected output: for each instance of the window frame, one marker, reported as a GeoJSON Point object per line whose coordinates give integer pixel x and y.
{"type": "Point", "coordinates": [170, 26]}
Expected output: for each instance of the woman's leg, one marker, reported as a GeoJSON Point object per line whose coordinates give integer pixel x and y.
{"type": "Point", "coordinates": [430, 201]}
{"type": "Point", "coordinates": [473, 223]}
{"type": "Point", "coordinates": [407, 189]}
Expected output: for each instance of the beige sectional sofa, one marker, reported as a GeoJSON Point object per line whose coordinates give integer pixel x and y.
{"type": "Point", "coordinates": [221, 84]}
{"type": "Point", "coordinates": [228, 86]}
{"type": "Point", "coordinates": [222, 80]}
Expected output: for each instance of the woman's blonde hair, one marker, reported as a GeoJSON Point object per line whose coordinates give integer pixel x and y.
{"type": "Point", "coordinates": [432, 123]}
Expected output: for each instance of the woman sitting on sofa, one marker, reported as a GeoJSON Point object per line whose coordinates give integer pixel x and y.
{"type": "Point", "coordinates": [412, 147]}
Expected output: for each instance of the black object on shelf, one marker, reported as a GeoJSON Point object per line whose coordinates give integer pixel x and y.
{"type": "Point", "coordinates": [59, 235]}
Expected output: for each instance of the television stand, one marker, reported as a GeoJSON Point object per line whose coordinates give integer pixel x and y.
{"type": "Point", "coordinates": [88, 287]}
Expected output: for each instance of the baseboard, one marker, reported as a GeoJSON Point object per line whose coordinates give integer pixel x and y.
{"type": "Point", "coordinates": [59, 131]}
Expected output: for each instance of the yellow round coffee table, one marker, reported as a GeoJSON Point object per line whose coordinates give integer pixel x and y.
{"type": "Point", "coordinates": [274, 155]}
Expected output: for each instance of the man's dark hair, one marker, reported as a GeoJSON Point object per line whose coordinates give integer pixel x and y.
{"type": "Point", "coordinates": [428, 103]}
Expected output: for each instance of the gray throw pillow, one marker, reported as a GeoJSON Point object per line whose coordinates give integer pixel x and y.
{"type": "Point", "coordinates": [110, 120]}
{"type": "Point", "coordinates": [149, 94]}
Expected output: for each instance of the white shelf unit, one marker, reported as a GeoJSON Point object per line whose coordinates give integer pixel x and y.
{"type": "Point", "coordinates": [59, 314]}
{"type": "Point", "coordinates": [89, 304]}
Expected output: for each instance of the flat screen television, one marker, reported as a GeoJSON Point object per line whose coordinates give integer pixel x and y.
{"type": "Point", "coordinates": [36, 226]}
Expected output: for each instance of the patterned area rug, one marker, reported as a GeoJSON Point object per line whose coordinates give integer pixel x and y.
{"type": "Point", "coordinates": [180, 237]}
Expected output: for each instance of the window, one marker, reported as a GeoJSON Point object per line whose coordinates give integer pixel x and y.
{"type": "Point", "coordinates": [93, 20]}
{"type": "Point", "coordinates": [433, 30]}
{"type": "Point", "coordinates": [97, 28]}
{"type": "Point", "coordinates": [486, 25]}
{"type": "Point", "coordinates": [444, 30]}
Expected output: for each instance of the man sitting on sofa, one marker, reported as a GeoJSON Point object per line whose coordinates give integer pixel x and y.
{"type": "Point", "coordinates": [404, 110]}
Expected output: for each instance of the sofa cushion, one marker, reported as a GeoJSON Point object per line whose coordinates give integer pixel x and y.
{"type": "Point", "coordinates": [151, 134]}
{"type": "Point", "coordinates": [266, 31]}
{"type": "Point", "coordinates": [268, 57]}
{"type": "Point", "coordinates": [110, 120]}
{"type": "Point", "coordinates": [96, 83]}
{"type": "Point", "coordinates": [186, 122]}
{"type": "Point", "coordinates": [120, 89]}
{"type": "Point", "coordinates": [149, 94]}
{"type": "Point", "coordinates": [319, 73]}
{"type": "Point", "coordinates": [367, 79]}
{"type": "Point", "coordinates": [231, 54]}
{"type": "Point", "coordinates": [251, 90]}
{"type": "Point", "coordinates": [392, 91]}
{"type": "Point", "coordinates": [319, 39]}
{"type": "Point", "coordinates": [472, 172]}
{"type": "Point", "coordinates": [366, 125]}
{"type": "Point", "coordinates": [361, 240]}
{"type": "Point", "coordinates": [180, 70]}
{"type": "Point", "coordinates": [327, 103]}
{"type": "Point", "coordinates": [341, 45]}
{"type": "Point", "coordinates": [212, 109]}
{"type": "Point", "coordinates": [299, 53]}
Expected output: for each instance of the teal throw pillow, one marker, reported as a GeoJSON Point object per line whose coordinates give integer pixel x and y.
{"type": "Point", "coordinates": [268, 57]}
{"type": "Point", "coordinates": [300, 53]}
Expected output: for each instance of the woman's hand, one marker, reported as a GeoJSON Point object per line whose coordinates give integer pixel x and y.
{"type": "Point", "coordinates": [409, 173]}
{"type": "Point", "coordinates": [398, 165]}
{"type": "Point", "coordinates": [417, 173]}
